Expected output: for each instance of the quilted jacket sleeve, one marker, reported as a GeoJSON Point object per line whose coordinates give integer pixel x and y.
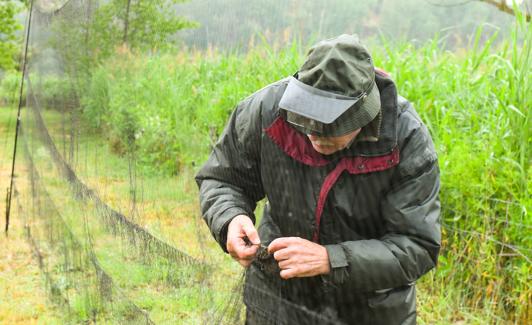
{"type": "Point", "coordinates": [411, 209]}
{"type": "Point", "coordinates": [229, 182]}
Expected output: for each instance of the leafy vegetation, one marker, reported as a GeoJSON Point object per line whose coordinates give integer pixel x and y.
{"type": "Point", "coordinates": [9, 45]}
{"type": "Point", "coordinates": [146, 25]}
{"type": "Point", "coordinates": [177, 105]}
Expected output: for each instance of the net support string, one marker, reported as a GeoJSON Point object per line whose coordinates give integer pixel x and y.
{"type": "Point", "coordinates": [17, 127]}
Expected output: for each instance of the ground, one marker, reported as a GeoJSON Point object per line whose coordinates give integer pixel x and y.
{"type": "Point", "coordinates": [21, 300]}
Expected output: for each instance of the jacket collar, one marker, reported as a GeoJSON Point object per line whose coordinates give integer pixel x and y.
{"type": "Point", "coordinates": [387, 134]}
{"type": "Point", "coordinates": [386, 137]}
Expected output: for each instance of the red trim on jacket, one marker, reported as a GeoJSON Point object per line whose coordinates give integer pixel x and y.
{"type": "Point", "coordinates": [353, 165]}
{"type": "Point", "coordinates": [298, 147]}
{"type": "Point", "coordinates": [294, 144]}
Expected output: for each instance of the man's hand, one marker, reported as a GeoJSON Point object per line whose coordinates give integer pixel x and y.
{"type": "Point", "coordinates": [298, 257]}
{"type": "Point", "coordinates": [240, 234]}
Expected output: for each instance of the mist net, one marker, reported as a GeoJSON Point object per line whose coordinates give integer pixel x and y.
{"type": "Point", "coordinates": [110, 141]}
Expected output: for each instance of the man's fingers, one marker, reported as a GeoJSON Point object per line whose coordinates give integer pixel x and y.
{"type": "Point", "coordinates": [285, 264]}
{"type": "Point", "coordinates": [238, 249]}
{"type": "Point", "coordinates": [283, 254]}
{"type": "Point", "coordinates": [281, 243]}
{"type": "Point", "coordinates": [248, 251]}
{"type": "Point", "coordinates": [289, 273]}
{"type": "Point", "coordinates": [251, 233]}
{"type": "Point", "coordinates": [243, 254]}
{"type": "Point", "coordinates": [240, 233]}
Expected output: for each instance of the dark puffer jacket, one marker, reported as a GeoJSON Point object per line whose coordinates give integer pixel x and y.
{"type": "Point", "coordinates": [374, 206]}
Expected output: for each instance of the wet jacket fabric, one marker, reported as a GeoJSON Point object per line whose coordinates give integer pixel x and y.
{"type": "Point", "coordinates": [374, 206]}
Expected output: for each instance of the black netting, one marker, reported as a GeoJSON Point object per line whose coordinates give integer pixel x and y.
{"type": "Point", "coordinates": [105, 183]}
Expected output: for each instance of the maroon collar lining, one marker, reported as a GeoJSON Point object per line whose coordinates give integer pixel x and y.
{"type": "Point", "coordinates": [353, 165]}
{"type": "Point", "coordinates": [294, 144]}
{"type": "Point", "coordinates": [299, 148]}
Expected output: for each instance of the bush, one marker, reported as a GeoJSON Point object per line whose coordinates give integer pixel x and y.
{"type": "Point", "coordinates": [9, 89]}
{"type": "Point", "coordinates": [174, 108]}
{"type": "Point", "coordinates": [53, 91]}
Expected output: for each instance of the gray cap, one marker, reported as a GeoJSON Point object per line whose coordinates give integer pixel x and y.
{"type": "Point", "coordinates": [335, 92]}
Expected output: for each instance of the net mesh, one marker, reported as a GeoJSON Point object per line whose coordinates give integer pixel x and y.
{"type": "Point", "coordinates": [117, 243]}
{"type": "Point", "coordinates": [93, 227]}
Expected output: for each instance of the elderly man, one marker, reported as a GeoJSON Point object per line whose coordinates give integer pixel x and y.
{"type": "Point", "coordinates": [351, 179]}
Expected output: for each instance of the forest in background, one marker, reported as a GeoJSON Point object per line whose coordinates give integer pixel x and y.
{"type": "Point", "coordinates": [235, 23]}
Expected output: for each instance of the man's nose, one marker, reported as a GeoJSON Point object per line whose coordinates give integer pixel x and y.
{"type": "Point", "coordinates": [313, 137]}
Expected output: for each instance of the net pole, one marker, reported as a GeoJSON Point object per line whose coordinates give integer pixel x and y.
{"type": "Point", "coordinates": [126, 24]}
{"type": "Point", "coordinates": [17, 127]}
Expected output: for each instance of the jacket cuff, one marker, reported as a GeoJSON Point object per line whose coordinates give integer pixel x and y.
{"type": "Point", "coordinates": [337, 256]}
{"type": "Point", "coordinates": [338, 263]}
{"type": "Point", "coordinates": [222, 224]}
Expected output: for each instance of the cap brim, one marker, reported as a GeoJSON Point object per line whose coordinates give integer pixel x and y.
{"type": "Point", "coordinates": [335, 114]}
{"type": "Point", "coordinates": [313, 103]}
{"type": "Point", "coordinates": [357, 117]}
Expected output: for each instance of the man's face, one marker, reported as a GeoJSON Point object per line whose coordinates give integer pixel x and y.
{"type": "Point", "coordinates": [330, 145]}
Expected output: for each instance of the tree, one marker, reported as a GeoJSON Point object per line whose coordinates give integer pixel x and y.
{"type": "Point", "coordinates": [85, 33]}
{"type": "Point", "coordinates": [507, 6]}
{"type": "Point", "coordinates": [9, 41]}
{"type": "Point", "coordinates": [137, 24]}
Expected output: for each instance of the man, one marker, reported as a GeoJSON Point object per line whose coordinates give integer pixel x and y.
{"type": "Point", "coordinates": [351, 180]}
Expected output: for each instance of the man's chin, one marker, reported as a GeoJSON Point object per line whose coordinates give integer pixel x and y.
{"type": "Point", "coordinates": [324, 150]}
